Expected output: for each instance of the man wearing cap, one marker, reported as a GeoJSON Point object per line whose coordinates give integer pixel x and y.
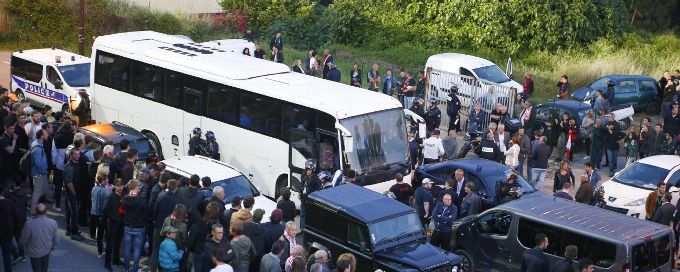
{"type": "Point", "coordinates": [424, 202]}
{"type": "Point", "coordinates": [255, 231]}
{"type": "Point", "coordinates": [433, 148]}
{"type": "Point", "coordinates": [433, 116]}
{"type": "Point", "coordinates": [169, 255]}
{"type": "Point", "coordinates": [273, 229]}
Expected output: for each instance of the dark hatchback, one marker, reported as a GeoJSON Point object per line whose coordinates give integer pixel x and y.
{"type": "Point", "coordinates": [380, 231]}
{"type": "Point", "coordinates": [555, 109]}
{"type": "Point", "coordinates": [641, 92]}
{"type": "Point", "coordinates": [114, 133]}
{"type": "Point", "coordinates": [484, 174]}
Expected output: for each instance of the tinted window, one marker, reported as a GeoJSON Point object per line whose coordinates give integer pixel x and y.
{"type": "Point", "coordinates": [236, 186]}
{"type": "Point", "coordinates": [600, 84]}
{"type": "Point", "coordinates": [326, 121]}
{"type": "Point", "coordinates": [26, 69]}
{"type": "Point", "coordinates": [260, 114]}
{"type": "Point", "coordinates": [76, 75]}
{"type": "Point", "coordinates": [112, 71]}
{"type": "Point", "coordinates": [147, 81]}
{"type": "Point", "coordinates": [647, 86]}
{"type": "Point", "coordinates": [173, 89]}
{"type": "Point", "coordinates": [357, 236]}
{"type": "Point", "coordinates": [194, 91]}
{"type": "Point", "coordinates": [53, 75]}
{"type": "Point", "coordinates": [332, 224]}
{"type": "Point", "coordinates": [223, 103]}
{"type": "Point", "coordinates": [297, 118]}
{"type": "Point", "coordinates": [627, 86]}
{"type": "Point", "coordinates": [650, 255]}
{"type": "Point", "coordinates": [495, 223]}
{"type": "Point", "coordinates": [479, 186]}
{"type": "Point", "coordinates": [600, 252]}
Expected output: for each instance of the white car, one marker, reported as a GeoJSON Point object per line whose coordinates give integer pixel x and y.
{"type": "Point", "coordinates": [221, 174]}
{"type": "Point", "coordinates": [627, 191]}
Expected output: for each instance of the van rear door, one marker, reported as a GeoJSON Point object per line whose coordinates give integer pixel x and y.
{"type": "Point", "coordinates": [653, 254]}
{"type": "Point", "coordinates": [26, 79]}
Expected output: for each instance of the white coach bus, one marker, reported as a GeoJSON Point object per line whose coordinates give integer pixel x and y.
{"type": "Point", "coordinates": [267, 119]}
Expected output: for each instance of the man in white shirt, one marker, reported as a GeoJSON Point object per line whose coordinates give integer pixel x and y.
{"type": "Point", "coordinates": [33, 126]}
{"type": "Point", "coordinates": [433, 148]}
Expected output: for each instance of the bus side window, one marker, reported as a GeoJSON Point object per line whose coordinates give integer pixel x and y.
{"type": "Point", "coordinates": [297, 118]}
{"type": "Point", "coordinates": [260, 114]}
{"type": "Point", "coordinates": [173, 89]}
{"type": "Point", "coordinates": [112, 71]}
{"type": "Point", "coordinates": [222, 103]}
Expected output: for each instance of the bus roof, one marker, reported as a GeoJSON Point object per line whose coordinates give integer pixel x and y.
{"type": "Point", "coordinates": [265, 77]}
{"type": "Point", "coordinates": [48, 55]}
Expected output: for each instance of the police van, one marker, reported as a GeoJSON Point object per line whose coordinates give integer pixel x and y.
{"type": "Point", "coordinates": [50, 76]}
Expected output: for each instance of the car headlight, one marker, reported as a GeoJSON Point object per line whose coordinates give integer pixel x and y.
{"type": "Point", "coordinates": [454, 268]}
{"type": "Point", "coordinates": [638, 202]}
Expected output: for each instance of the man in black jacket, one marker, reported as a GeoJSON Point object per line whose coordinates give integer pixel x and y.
{"type": "Point", "coordinates": [10, 228]}
{"type": "Point", "coordinates": [216, 241]}
{"type": "Point", "coordinates": [71, 179]}
{"type": "Point", "coordinates": [255, 231]}
{"type": "Point", "coordinates": [671, 122]}
{"type": "Point", "coordinates": [568, 264]}
{"type": "Point", "coordinates": [533, 259]}
{"type": "Point", "coordinates": [488, 149]}
{"type": "Point", "coordinates": [310, 184]}
{"type": "Point", "coordinates": [273, 229]}
{"type": "Point", "coordinates": [452, 109]}
{"type": "Point", "coordinates": [218, 198]}
{"type": "Point", "coordinates": [539, 160]}
{"type": "Point", "coordinates": [664, 214]}
{"type": "Point", "coordinates": [114, 227]}
{"type": "Point", "coordinates": [612, 137]}
{"type": "Point", "coordinates": [189, 196]}
{"type": "Point", "coordinates": [134, 221]}
{"type": "Point", "coordinates": [163, 208]}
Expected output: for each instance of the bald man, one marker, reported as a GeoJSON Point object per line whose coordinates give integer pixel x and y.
{"type": "Point", "coordinates": [39, 237]}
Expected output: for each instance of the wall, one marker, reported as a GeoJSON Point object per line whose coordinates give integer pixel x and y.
{"type": "Point", "coordinates": [182, 6]}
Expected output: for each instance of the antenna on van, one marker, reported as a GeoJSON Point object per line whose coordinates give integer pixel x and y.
{"type": "Point", "coordinates": [21, 50]}
{"type": "Point", "coordinates": [54, 47]}
{"type": "Point", "coordinates": [73, 58]}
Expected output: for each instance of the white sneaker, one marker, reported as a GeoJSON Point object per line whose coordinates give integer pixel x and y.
{"type": "Point", "coordinates": [586, 158]}
{"type": "Point", "coordinates": [55, 208]}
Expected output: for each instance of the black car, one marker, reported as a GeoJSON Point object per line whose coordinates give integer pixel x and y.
{"type": "Point", "coordinates": [102, 134]}
{"type": "Point", "coordinates": [640, 92]}
{"type": "Point", "coordinates": [484, 174]}
{"type": "Point", "coordinates": [380, 231]}
{"type": "Point", "coordinates": [555, 109]}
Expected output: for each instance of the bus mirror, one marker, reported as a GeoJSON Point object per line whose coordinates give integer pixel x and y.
{"type": "Point", "coordinates": [422, 130]}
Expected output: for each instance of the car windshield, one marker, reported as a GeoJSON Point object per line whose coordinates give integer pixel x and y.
{"type": "Point", "coordinates": [76, 75]}
{"type": "Point", "coordinates": [642, 175]}
{"type": "Point", "coordinates": [379, 140]}
{"type": "Point", "coordinates": [651, 255]}
{"type": "Point", "coordinates": [492, 73]}
{"type": "Point", "coordinates": [503, 176]}
{"type": "Point", "coordinates": [236, 186]}
{"type": "Point", "coordinates": [394, 228]}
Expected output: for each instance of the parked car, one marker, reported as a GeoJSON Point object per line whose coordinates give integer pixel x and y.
{"type": "Point", "coordinates": [484, 174]}
{"type": "Point", "coordinates": [232, 180]}
{"type": "Point", "coordinates": [641, 92]}
{"type": "Point", "coordinates": [114, 133]}
{"type": "Point", "coordinates": [380, 231]}
{"type": "Point", "coordinates": [496, 239]}
{"type": "Point", "coordinates": [627, 191]}
{"type": "Point", "coordinates": [579, 110]}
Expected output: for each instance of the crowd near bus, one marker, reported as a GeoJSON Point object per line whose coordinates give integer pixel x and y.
{"type": "Point", "coordinates": [292, 131]}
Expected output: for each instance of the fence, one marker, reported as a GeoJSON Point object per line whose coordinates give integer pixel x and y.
{"type": "Point", "coordinates": [471, 90]}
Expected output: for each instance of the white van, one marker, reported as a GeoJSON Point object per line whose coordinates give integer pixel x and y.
{"type": "Point", "coordinates": [473, 67]}
{"type": "Point", "coordinates": [49, 76]}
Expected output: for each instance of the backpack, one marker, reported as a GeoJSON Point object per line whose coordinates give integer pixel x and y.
{"type": "Point", "coordinates": [26, 162]}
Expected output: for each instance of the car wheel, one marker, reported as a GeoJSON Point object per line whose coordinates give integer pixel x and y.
{"type": "Point", "coordinates": [624, 123]}
{"type": "Point", "coordinates": [653, 108]}
{"type": "Point", "coordinates": [467, 263]}
{"type": "Point", "coordinates": [156, 144]}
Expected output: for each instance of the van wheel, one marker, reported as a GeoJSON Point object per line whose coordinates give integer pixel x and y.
{"type": "Point", "coordinates": [624, 123]}
{"type": "Point", "coordinates": [653, 108]}
{"type": "Point", "coordinates": [467, 264]}
{"type": "Point", "coordinates": [281, 182]}
{"type": "Point", "coordinates": [20, 94]}
{"type": "Point", "coordinates": [156, 144]}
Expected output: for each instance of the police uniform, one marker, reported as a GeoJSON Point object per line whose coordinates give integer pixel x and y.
{"type": "Point", "coordinates": [432, 149]}
{"type": "Point", "coordinates": [197, 146]}
{"type": "Point", "coordinates": [488, 150]}
{"type": "Point", "coordinates": [452, 109]}
{"type": "Point", "coordinates": [433, 118]}
{"type": "Point", "coordinates": [213, 150]}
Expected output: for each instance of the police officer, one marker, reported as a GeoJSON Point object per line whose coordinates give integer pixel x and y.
{"type": "Point", "coordinates": [212, 148]}
{"type": "Point", "coordinates": [488, 149]}
{"type": "Point", "coordinates": [196, 143]}
{"type": "Point", "coordinates": [310, 183]}
{"type": "Point", "coordinates": [610, 93]}
{"type": "Point", "coordinates": [433, 149]}
{"type": "Point", "coordinates": [433, 117]}
{"type": "Point", "coordinates": [452, 109]}
{"type": "Point", "coordinates": [507, 191]}
{"type": "Point", "coordinates": [83, 111]}
{"type": "Point", "coordinates": [417, 108]}
{"type": "Point", "coordinates": [325, 178]}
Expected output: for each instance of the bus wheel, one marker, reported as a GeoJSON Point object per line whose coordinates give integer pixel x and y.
{"type": "Point", "coordinates": [19, 94]}
{"type": "Point", "coordinates": [281, 182]}
{"type": "Point", "coordinates": [155, 143]}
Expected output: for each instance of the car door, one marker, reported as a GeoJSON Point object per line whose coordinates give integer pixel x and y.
{"type": "Point", "coordinates": [625, 94]}
{"type": "Point", "coordinates": [493, 247]}
{"type": "Point", "coordinates": [648, 92]}
{"type": "Point", "coordinates": [482, 190]}
{"type": "Point", "coordinates": [54, 88]}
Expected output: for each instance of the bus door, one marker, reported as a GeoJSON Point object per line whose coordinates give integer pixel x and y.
{"type": "Point", "coordinates": [329, 151]}
{"type": "Point", "coordinates": [302, 147]}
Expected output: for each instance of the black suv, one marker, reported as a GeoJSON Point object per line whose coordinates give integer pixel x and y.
{"type": "Point", "coordinates": [114, 133]}
{"type": "Point", "coordinates": [381, 232]}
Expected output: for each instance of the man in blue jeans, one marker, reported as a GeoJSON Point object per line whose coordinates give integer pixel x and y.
{"type": "Point", "coordinates": [612, 136]}
{"type": "Point", "coordinates": [539, 159]}
{"type": "Point", "coordinates": [71, 178]}
{"type": "Point", "coordinates": [135, 221]}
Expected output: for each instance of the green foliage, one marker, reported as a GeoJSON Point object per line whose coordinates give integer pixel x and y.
{"type": "Point", "coordinates": [42, 22]}
{"type": "Point", "coordinates": [262, 13]}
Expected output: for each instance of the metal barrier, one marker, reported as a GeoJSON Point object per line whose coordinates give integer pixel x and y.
{"type": "Point", "coordinates": [471, 90]}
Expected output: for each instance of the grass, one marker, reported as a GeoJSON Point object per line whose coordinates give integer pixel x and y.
{"type": "Point", "coordinates": [634, 53]}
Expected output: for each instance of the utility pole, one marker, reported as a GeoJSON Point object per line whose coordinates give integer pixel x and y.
{"type": "Point", "coordinates": [81, 28]}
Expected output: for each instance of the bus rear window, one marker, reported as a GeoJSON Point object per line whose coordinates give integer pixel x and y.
{"type": "Point", "coordinates": [651, 255]}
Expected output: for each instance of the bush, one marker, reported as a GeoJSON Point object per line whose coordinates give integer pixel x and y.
{"type": "Point", "coordinates": [42, 22]}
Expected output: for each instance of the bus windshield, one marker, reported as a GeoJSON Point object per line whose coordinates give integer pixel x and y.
{"type": "Point", "coordinates": [379, 140]}
{"type": "Point", "coordinates": [76, 75]}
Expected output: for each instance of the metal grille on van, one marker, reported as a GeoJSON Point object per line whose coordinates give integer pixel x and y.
{"type": "Point", "coordinates": [191, 49]}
